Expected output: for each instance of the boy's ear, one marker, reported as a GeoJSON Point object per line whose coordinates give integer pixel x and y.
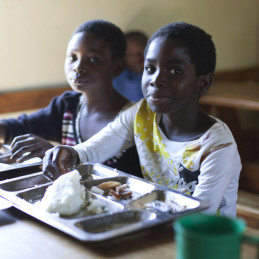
{"type": "Point", "coordinates": [119, 67]}
{"type": "Point", "coordinates": [204, 83]}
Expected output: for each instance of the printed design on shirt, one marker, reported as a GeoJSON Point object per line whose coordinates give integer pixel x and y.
{"type": "Point", "coordinates": [189, 155]}
{"type": "Point", "coordinates": [178, 171]}
{"type": "Point", "coordinates": [215, 148]}
{"type": "Point", "coordinates": [188, 180]}
{"type": "Point", "coordinates": [191, 151]}
{"type": "Point", "coordinates": [157, 164]}
{"type": "Point", "coordinates": [67, 129]}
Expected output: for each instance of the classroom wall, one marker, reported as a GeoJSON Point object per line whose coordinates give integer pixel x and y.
{"type": "Point", "coordinates": [34, 33]}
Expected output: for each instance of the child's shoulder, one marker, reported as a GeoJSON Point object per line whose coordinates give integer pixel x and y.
{"type": "Point", "coordinates": [67, 99]}
{"type": "Point", "coordinates": [219, 132]}
{"type": "Point", "coordinates": [70, 94]}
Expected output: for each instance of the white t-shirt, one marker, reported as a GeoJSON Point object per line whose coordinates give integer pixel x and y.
{"type": "Point", "coordinates": [207, 168]}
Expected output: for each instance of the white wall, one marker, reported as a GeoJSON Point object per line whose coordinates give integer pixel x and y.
{"type": "Point", "coordinates": [34, 33]}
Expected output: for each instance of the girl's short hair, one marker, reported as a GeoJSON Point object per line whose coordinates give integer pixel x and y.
{"type": "Point", "coordinates": [109, 32]}
{"type": "Point", "coordinates": [201, 47]}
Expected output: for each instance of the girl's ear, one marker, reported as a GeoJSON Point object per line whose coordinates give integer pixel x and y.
{"type": "Point", "coordinates": [119, 67]}
{"type": "Point", "coordinates": [204, 83]}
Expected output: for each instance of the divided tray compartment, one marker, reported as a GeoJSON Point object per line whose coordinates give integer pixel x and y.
{"type": "Point", "coordinates": [120, 217]}
{"type": "Point", "coordinates": [91, 171]}
{"type": "Point", "coordinates": [17, 170]}
{"type": "Point", "coordinates": [24, 182]}
{"type": "Point", "coordinates": [117, 224]}
{"type": "Point", "coordinates": [34, 196]}
{"type": "Point", "coordinates": [137, 186]}
{"type": "Point", "coordinates": [165, 201]}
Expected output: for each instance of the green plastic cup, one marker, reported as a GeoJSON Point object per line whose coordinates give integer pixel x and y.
{"type": "Point", "coordinates": [209, 236]}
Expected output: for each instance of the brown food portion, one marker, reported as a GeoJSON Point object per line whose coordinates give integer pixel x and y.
{"type": "Point", "coordinates": [121, 192]}
{"type": "Point", "coordinates": [109, 185]}
{"type": "Point", "coordinates": [116, 189]}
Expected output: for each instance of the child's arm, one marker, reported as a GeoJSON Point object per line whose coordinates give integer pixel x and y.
{"type": "Point", "coordinates": [114, 138]}
{"type": "Point", "coordinates": [219, 174]}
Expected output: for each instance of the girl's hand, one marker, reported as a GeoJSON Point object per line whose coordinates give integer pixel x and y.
{"type": "Point", "coordinates": [27, 146]}
{"type": "Point", "coordinates": [59, 160]}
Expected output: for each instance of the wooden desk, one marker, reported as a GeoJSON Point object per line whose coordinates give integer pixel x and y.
{"type": "Point", "coordinates": [24, 237]}
{"type": "Point", "coordinates": [227, 98]}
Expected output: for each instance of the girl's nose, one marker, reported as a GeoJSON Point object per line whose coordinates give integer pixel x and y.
{"type": "Point", "coordinates": [79, 67]}
{"type": "Point", "coordinates": [158, 79]}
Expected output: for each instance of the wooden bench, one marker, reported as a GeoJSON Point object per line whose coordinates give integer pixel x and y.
{"type": "Point", "coordinates": [248, 208]}
{"type": "Point", "coordinates": [28, 99]}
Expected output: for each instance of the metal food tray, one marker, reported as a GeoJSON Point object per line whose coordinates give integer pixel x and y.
{"type": "Point", "coordinates": [122, 216]}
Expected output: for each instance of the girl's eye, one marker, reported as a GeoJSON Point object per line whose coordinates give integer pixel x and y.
{"type": "Point", "coordinates": [93, 60]}
{"type": "Point", "coordinates": [176, 71]}
{"type": "Point", "coordinates": [150, 69]}
{"type": "Point", "coordinates": [72, 58]}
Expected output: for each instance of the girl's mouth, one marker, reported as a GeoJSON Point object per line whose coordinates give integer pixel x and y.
{"type": "Point", "coordinates": [157, 99]}
{"type": "Point", "coordinates": [77, 81]}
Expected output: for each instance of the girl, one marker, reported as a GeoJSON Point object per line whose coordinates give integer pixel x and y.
{"type": "Point", "coordinates": [95, 55]}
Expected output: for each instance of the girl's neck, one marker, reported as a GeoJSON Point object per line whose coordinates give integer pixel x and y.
{"type": "Point", "coordinates": [185, 127]}
{"type": "Point", "coordinates": [104, 102]}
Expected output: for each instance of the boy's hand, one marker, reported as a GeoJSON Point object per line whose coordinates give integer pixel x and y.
{"type": "Point", "coordinates": [59, 160]}
{"type": "Point", "coordinates": [27, 146]}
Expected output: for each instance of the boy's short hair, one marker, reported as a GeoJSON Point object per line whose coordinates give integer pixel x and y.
{"type": "Point", "coordinates": [200, 45]}
{"type": "Point", "coordinates": [109, 32]}
{"type": "Point", "coordinates": [137, 36]}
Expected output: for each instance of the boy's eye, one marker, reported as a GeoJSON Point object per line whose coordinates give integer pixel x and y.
{"type": "Point", "coordinates": [150, 69]}
{"type": "Point", "coordinates": [176, 71]}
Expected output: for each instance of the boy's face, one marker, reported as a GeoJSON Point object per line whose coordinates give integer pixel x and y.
{"type": "Point", "coordinates": [135, 56]}
{"type": "Point", "coordinates": [89, 65]}
{"type": "Point", "coordinates": [169, 81]}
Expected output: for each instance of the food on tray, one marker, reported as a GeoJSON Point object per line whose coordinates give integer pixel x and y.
{"type": "Point", "coordinates": [124, 216]}
{"type": "Point", "coordinates": [108, 185]}
{"type": "Point", "coordinates": [114, 189]}
{"type": "Point", "coordinates": [97, 190]}
{"type": "Point", "coordinates": [66, 195]}
{"type": "Point", "coordinates": [169, 206]}
{"type": "Point", "coordinates": [95, 207]}
{"type": "Point", "coordinates": [121, 192]}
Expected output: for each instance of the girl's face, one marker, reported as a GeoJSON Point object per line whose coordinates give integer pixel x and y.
{"type": "Point", "coordinates": [89, 65]}
{"type": "Point", "coordinates": [169, 81]}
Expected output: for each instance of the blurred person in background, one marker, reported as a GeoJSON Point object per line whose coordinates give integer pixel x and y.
{"type": "Point", "coordinates": [128, 83]}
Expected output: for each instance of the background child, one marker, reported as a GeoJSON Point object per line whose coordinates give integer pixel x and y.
{"type": "Point", "coordinates": [94, 57]}
{"type": "Point", "coordinates": [179, 145]}
{"type": "Point", "coordinates": [128, 83]}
